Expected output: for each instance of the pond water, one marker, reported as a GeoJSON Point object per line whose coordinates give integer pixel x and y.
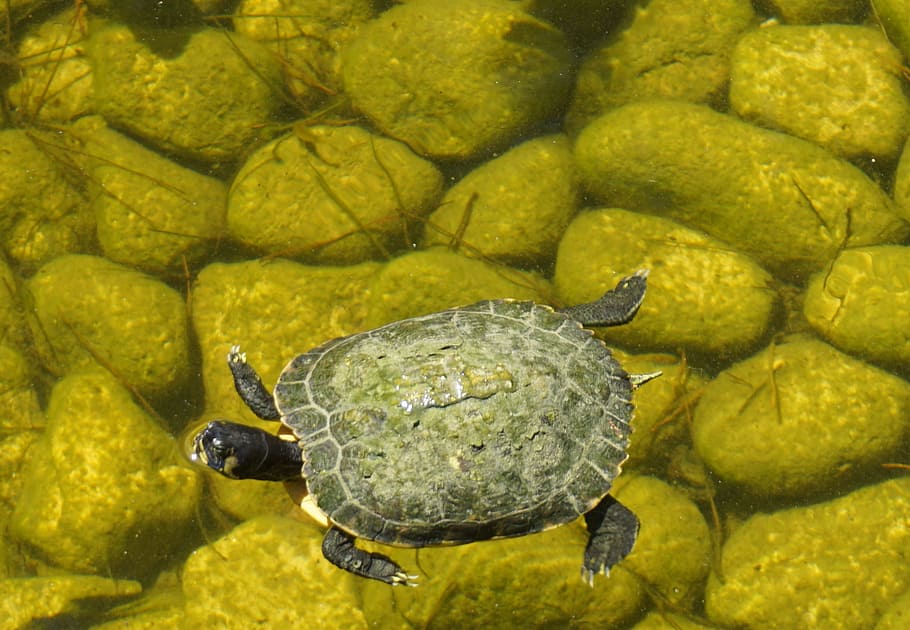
{"type": "Point", "coordinates": [180, 177]}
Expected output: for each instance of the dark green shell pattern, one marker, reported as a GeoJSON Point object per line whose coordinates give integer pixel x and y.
{"type": "Point", "coordinates": [491, 420]}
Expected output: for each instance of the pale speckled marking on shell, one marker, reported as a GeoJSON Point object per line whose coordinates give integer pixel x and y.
{"type": "Point", "coordinates": [498, 419]}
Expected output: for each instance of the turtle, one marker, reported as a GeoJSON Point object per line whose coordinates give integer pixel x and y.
{"type": "Point", "coordinates": [494, 420]}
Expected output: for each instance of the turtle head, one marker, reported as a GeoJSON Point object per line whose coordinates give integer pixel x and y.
{"type": "Point", "coordinates": [238, 451]}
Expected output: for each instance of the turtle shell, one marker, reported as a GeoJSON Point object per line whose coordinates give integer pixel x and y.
{"type": "Point", "coordinates": [497, 419]}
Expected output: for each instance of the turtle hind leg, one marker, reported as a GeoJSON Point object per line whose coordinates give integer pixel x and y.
{"type": "Point", "coordinates": [616, 307]}
{"type": "Point", "coordinates": [612, 529]}
{"type": "Point", "coordinates": [249, 386]}
{"type": "Point", "coordinates": [339, 549]}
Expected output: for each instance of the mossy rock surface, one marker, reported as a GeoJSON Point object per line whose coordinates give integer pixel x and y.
{"type": "Point", "coordinates": [784, 201]}
{"type": "Point", "coordinates": [151, 213]}
{"type": "Point", "coordinates": [268, 571]}
{"type": "Point", "coordinates": [835, 564]}
{"type": "Point", "coordinates": [486, 584]}
{"type": "Point", "coordinates": [703, 296]}
{"type": "Point", "coordinates": [30, 602]}
{"type": "Point", "coordinates": [861, 304]}
{"type": "Point", "coordinates": [202, 94]}
{"type": "Point", "coordinates": [677, 49]}
{"type": "Point", "coordinates": [331, 195]}
{"type": "Point", "coordinates": [457, 80]}
{"type": "Point", "coordinates": [833, 84]}
{"type": "Point", "coordinates": [512, 209]}
{"type": "Point", "coordinates": [88, 311]}
{"type": "Point", "coordinates": [800, 418]}
{"type": "Point", "coordinates": [105, 489]}
{"type": "Point", "coordinates": [44, 216]}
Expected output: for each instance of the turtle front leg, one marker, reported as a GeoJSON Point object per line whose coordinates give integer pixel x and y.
{"type": "Point", "coordinates": [616, 307]}
{"type": "Point", "coordinates": [613, 529]}
{"type": "Point", "coordinates": [250, 387]}
{"type": "Point", "coordinates": [339, 549]}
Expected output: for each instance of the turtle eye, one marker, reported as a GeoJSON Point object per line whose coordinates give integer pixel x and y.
{"type": "Point", "coordinates": [220, 449]}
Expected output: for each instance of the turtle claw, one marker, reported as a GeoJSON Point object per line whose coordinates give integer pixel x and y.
{"type": "Point", "coordinates": [235, 356]}
{"type": "Point", "coordinates": [403, 579]}
{"type": "Point", "coordinates": [587, 575]}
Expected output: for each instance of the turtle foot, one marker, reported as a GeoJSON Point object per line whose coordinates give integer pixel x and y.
{"type": "Point", "coordinates": [613, 529]}
{"type": "Point", "coordinates": [339, 549]}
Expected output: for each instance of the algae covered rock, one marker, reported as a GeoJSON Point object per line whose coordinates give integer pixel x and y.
{"type": "Point", "coordinates": [817, 11]}
{"type": "Point", "coordinates": [788, 203]}
{"type": "Point", "coordinates": [666, 620]}
{"type": "Point", "coordinates": [269, 572]}
{"type": "Point", "coordinates": [457, 80]}
{"type": "Point", "coordinates": [897, 615]}
{"type": "Point", "coordinates": [836, 564]}
{"type": "Point", "coordinates": [18, 397]}
{"type": "Point", "coordinates": [104, 489]}
{"type": "Point", "coordinates": [55, 81]}
{"type": "Point", "coordinates": [702, 295]}
{"type": "Point", "coordinates": [673, 550]}
{"type": "Point", "coordinates": [436, 279]}
{"type": "Point", "coordinates": [307, 36]}
{"type": "Point", "coordinates": [527, 582]}
{"type": "Point", "coordinates": [800, 417]}
{"type": "Point", "coordinates": [337, 195]}
{"type": "Point", "coordinates": [151, 212]}
{"type": "Point", "coordinates": [14, 329]}
{"type": "Point", "coordinates": [672, 49]}
{"type": "Point", "coordinates": [38, 601]}
{"type": "Point", "coordinates": [13, 447]}
{"type": "Point", "coordinates": [659, 424]}
{"type": "Point", "coordinates": [894, 17]}
{"type": "Point", "coordinates": [902, 182]}
{"type": "Point", "coordinates": [835, 85]}
{"type": "Point", "coordinates": [200, 93]}
{"type": "Point", "coordinates": [42, 215]}
{"type": "Point", "coordinates": [90, 311]}
{"type": "Point", "coordinates": [861, 304]}
{"type": "Point", "coordinates": [513, 208]}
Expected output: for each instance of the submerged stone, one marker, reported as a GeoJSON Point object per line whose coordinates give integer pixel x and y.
{"type": "Point", "coordinates": [42, 215]}
{"type": "Point", "coordinates": [104, 490]}
{"type": "Point", "coordinates": [788, 203]}
{"type": "Point", "coordinates": [861, 304]}
{"type": "Point", "coordinates": [817, 11]}
{"type": "Point", "coordinates": [835, 85]}
{"type": "Point", "coordinates": [800, 417]}
{"type": "Point", "coordinates": [308, 38]}
{"type": "Point", "coordinates": [457, 80]}
{"type": "Point", "coordinates": [18, 398]}
{"type": "Point", "coordinates": [55, 81]}
{"type": "Point", "coordinates": [894, 17]}
{"type": "Point", "coordinates": [32, 602]}
{"type": "Point", "coordinates": [269, 572]}
{"type": "Point", "coordinates": [12, 312]}
{"type": "Point", "coordinates": [151, 212]}
{"type": "Point", "coordinates": [703, 296]}
{"type": "Point", "coordinates": [513, 208]}
{"type": "Point", "coordinates": [89, 311]}
{"type": "Point", "coordinates": [200, 93]}
{"type": "Point", "coordinates": [897, 615]}
{"type": "Point", "coordinates": [487, 584]}
{"type": "Point", "coordinates": [336, 195]}
{"type": "Point", "coordinates": [835, 564]}
{"type": "Point", "coordinates": [436, 279]}
{"type": "Point", "coordinates": [676, 49]}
